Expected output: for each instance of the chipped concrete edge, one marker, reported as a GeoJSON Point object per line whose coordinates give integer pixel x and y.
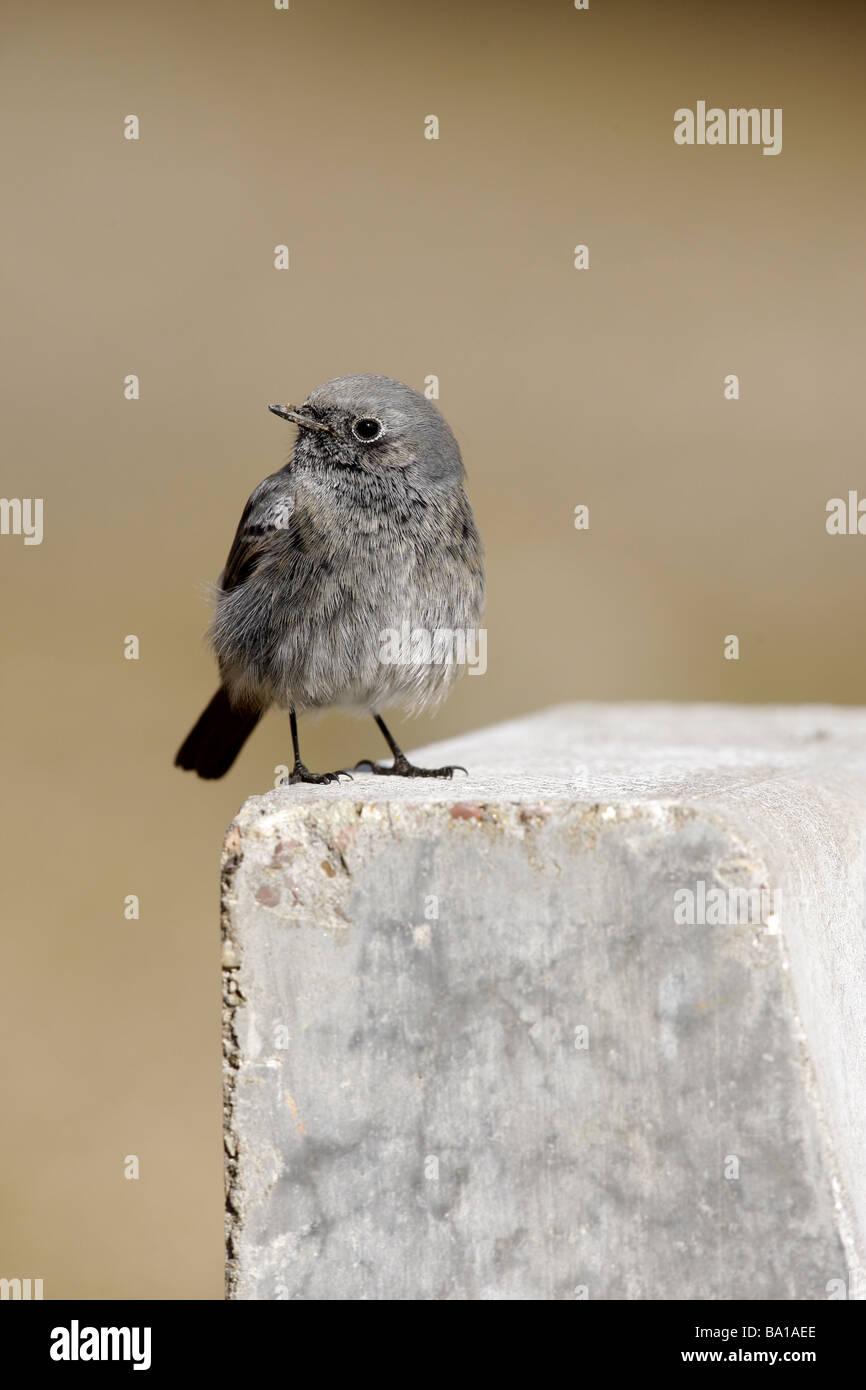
{"type": "Point", "coordinates": [232, 854]}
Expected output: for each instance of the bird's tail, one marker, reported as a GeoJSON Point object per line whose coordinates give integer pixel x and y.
{"type": "Point", "coordinates": [212, 745]}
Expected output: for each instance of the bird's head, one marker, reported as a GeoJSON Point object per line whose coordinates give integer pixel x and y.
{"type": "Point", "coordinates": [375, 425]}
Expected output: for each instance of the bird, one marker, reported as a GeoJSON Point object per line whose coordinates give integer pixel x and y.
{"type": "Point", "coordinates": [367, 532]}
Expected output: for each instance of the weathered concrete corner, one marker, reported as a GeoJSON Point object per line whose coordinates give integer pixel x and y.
{"type": "Point", "coordinates": [589, 1023]}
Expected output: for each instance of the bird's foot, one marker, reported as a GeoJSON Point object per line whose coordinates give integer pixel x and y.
{"type": "Point", "coordinates": [299, 773]}
{"type": "Point", "coordinates": [401, 767]}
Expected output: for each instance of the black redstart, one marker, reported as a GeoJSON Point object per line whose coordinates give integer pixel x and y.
{"type": "Point", "coordinates": [367, 533]}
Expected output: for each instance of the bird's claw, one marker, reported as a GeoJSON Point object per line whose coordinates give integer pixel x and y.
{"type": "Point", "coordinates": [300, 773]}
{"type": "Point", "coordinates": [401, 767]}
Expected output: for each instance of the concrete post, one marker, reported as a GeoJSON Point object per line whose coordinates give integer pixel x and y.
{"type": "Point", "coordinates": [589, 1023]}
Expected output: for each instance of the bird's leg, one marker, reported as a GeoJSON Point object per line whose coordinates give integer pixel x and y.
{"type": "Point", "coordinates": [401, 767]}
{"type": "Point", "coordinates": [299, 773]}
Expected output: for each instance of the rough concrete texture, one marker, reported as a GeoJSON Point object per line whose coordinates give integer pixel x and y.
{"type": "Point", "coordinates": [471, 1053]}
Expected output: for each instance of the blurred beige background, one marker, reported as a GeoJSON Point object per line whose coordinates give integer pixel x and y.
{"type": "Point", "coordinates": [408, 257]}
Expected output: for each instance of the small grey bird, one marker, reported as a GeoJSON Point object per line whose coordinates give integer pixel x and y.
{"type": "Point", "coordinates": [366, 533]}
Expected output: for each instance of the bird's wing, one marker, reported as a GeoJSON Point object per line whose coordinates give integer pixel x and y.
{"type": "Point", "coordinates": [269, 513]}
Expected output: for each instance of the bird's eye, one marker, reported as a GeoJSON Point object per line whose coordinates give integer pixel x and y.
{"type": "Point", "coordinates": [367, 428]}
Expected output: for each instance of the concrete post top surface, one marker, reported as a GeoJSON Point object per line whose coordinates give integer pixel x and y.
{"type": "Point", "coordinates": [619, 753]}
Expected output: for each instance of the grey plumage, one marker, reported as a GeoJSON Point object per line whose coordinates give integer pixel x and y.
{"type": "Point", "coordinates": [355, 536]}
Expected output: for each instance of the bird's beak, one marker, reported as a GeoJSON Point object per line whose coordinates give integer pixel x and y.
{"type": "Point", "coordinates": [288, 412]}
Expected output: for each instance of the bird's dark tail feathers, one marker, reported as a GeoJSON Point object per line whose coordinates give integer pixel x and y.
{"type": "Point", "coordinates": [212, 745]}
